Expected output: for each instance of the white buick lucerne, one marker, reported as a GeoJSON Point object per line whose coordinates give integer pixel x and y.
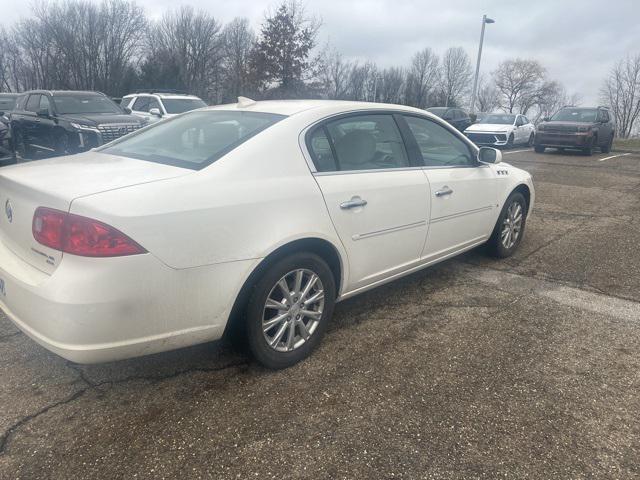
{"type": "Point", "coordinates": [256, 216]}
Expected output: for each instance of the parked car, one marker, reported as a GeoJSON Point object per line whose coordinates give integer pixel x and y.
{"type": "Point", "coordinates": [577, 128]}
{"type": "Point", "coordinates": [455, 116]}
{"type": "Point", "coordinates": [7, 103]}
{"type": "Point", "coordinates": [502, 130]}
{"type": "Point", "coordinates": [253, 217]}
{"type": "Point", "coordinates": [65, 122]}
{"type": "Point", "coordinates": [157, 104]}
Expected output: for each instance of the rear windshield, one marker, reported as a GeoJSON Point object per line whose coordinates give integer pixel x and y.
{"type": "Point", "coordinates": [193, 140]}
{"type": "Point", "coordinates": [74, 104]}
{"type": "Point", "coordinates": [181, 105]}
{"type": "Point", "coordinates": [580, 115]}
{"type": "Point", "coordinates": [7, 103]}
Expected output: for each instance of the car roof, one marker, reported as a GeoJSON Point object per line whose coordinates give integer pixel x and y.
{"type": "Point", "coordinates": [162, 95]}
{"type": "Point", "coordinates": [293, 107]}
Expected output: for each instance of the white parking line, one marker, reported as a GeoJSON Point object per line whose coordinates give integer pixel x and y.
{"type": "Point", "coordinates": [516, 151]}
{"type": "Point", "coordinates": [614, 156]}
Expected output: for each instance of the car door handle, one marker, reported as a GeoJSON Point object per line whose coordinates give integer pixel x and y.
{"type": "Point", "coordinates": [444, 191]}
{"type": "Point", "coordinates": [353, 203]}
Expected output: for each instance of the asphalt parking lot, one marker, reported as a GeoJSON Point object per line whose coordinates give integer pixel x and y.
{"type": "Point", "coordinates": [522, 368]}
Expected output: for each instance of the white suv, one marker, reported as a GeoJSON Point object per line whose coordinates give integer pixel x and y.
{"type": "Point", "coordinates": [155, 105]}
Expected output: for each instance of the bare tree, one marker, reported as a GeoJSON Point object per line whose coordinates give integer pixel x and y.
{"type": "Point", "coordinates": [455, 76]}
{"type": "Point", "coordinates": [422, 78]}
{"type": "Point", "coordinates": [187, 43]}
{"type": "Point", "coordinates": [621, 91]}
{"type": "Point", "coordinates": [390, 85]}
{"type": "Point", "coordinates": [518, 82]}
{"type": "Point", "coordinates": [363, 82]}
{"type": "Point", "coordinates": [335, 74]}
{"type": "Point", "coordinates": [487, 96]}
{"type": "Point", "coordinates": [238, 43]}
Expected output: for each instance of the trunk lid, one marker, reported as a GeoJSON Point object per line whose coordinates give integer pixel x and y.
{"type": "Point", "coordinates": [55, 183]}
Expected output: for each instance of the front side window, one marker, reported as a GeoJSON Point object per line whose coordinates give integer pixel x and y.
{"type": "Point", "coordinates": [44, 104]}
{"type": "Point", "coordinates": [33, 104]}
{"type": "Point", "coordinates": [181, 105]}
{"type": "Point", "coordinates": [438, 146]}
{"type": "Point", "coordinates": [79, 104]}
{"type": "Point", "coordinates": [141, 104]}
{"type": "Point", "coordinates": [193, 140]}
{"type": "Point", "coordinates": [362, 142]}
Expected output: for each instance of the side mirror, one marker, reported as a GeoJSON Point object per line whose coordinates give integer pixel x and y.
{"type": "Point", "coordinates": [156, 112]}
{"type": "Point", "coordinates": [488, 155]}
{"type": "Point", "coordinates": [127, 110]}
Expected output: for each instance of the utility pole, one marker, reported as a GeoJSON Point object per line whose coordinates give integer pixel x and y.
{"type": "Point", "coordinates": [485, 20]}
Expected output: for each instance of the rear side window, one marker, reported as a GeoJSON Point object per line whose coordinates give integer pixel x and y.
{"type": "Point", "coordinates": [193, 140]}
{"type": "Point", "coordinates": [438, 146]}
{"type": "Point", "coordinates": [359, 142]}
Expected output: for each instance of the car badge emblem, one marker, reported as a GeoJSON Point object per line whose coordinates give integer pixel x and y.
{"type": "Point", "coordinates": [8, 210]}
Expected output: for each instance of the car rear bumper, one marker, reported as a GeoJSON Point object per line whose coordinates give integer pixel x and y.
{"type": "Point", "coordinates": [563, 140]}
{"type": "Point", "coordinates": [97, 310]}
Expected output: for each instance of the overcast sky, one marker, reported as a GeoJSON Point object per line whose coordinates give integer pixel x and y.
{"type": "Point", "coordinates": [576, 40]}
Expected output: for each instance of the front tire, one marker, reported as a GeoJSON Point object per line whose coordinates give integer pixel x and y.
{"type": "Point", "coordinates": [509, 229]}
{"type": "Point", "coordinates": [588, 150]}
{"type": "Point", "coordinates": [289, 310]}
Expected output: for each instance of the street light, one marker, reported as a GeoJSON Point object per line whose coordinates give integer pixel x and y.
{"type": "Point", "coordinates": [485, 20]}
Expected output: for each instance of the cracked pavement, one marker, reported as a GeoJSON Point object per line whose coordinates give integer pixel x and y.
{"type": "Point", "coordinates": [527, 367]}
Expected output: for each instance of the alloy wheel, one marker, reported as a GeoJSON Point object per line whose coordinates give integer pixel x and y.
{"type": "Point", "coordinates": [511, 225]}
{"type": "Point", "coordinates": [293, 310]}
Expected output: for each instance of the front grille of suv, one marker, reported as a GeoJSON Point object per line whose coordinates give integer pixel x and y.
{"type": "Point", "coordinates": [113, 131]}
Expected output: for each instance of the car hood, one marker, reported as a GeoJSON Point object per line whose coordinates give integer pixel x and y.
{"type": "Point", "coordinates": [489, 127]}
{"type": "Point", "coordinates": [567, 125]}
{"type": "Point", "coordinates": [95, 119]}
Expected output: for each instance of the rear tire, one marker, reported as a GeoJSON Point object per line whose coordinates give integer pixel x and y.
{"type": "Point", "coordinates": [539, 149]}
{"type": "Point", "coordinates": [509, 229]}
{"type": "Point", "coordinates": [303, 323]}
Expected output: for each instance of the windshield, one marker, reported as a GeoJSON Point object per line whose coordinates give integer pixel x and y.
{"type": "Point", "coordinates": [7, 103]}
{"type": "Point", "coordinates": [193, 140]}
{"type": "Point", "coordinates": [181, 105]}
{"type": "Point", "coordinates": [582, 115]}
{"type": "Point", "coordinates": [70, 104]}
{"type": "Point", "coordinates": [498, 119]}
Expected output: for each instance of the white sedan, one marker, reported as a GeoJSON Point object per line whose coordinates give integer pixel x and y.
{"type": "Point", "coordinates": [255, 216]}
{"type": "Point", "coordinates": [502, 130]}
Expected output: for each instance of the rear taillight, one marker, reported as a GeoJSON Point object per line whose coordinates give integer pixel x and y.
{"type": "Point", "coordinates": [80, 235]}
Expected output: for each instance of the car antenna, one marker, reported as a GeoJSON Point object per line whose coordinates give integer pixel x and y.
{"type": "Point", "coordinates": [244, 102]}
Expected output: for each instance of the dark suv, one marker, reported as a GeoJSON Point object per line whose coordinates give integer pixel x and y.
{"type": "Point", "coordinates": [455, 116]}
{"type": "Point", "coordinates": [7, 102]}
{"type": "Point", "coordinates": [66, 122]}
{"type": "Point", "coordinates": [577, 128]}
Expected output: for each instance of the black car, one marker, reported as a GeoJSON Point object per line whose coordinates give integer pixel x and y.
{"type": "Point", "coordinates": [7, 102]}
{"type": "Point", "coordinates": [455, 116]}
{"type": "Point", "coordinates": [65, 122]}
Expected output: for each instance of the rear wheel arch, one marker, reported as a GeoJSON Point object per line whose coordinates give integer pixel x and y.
{"type": "Point", "coordinates": [323, 248]}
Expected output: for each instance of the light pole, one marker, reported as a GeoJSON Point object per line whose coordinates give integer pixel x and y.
{"type": "Point", "coordinates": [485, 20]}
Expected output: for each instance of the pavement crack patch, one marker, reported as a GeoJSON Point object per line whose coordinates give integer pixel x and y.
{"type": "Point", "coordinates": [9, 335]}
{"type": "Point", "coordinates": [8, 434]}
